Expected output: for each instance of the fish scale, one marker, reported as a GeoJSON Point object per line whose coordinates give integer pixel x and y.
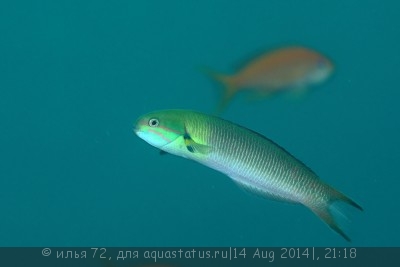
{"type": "Point", "coordinates": [253, 161]}
{"type": "Point", "coordinates": [258, 159]}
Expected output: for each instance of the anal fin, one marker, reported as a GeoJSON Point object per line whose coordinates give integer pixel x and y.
{"type": "Point", "coordinates": [253, 190]}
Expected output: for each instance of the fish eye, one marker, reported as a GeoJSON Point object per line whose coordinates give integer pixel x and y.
{"type": "Point", "coordinates": [153, 122]}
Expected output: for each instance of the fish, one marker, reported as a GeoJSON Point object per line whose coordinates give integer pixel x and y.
{"type": "Point", "coordinates": [286, 68]}
{"type": "Point", "coordinates": [251, 160]}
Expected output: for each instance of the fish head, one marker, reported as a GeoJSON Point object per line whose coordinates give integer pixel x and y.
{"type": "Point", "coordinates": [159, 128]}
{"type": "Point", "coordinates": [323, 68]}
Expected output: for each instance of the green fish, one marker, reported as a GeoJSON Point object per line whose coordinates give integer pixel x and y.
{"type": "Point", "coordinates": [251, 160]}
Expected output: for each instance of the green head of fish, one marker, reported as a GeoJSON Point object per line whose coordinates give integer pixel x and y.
{"type": "Point", "coordinates": [159, 128]}
{"type": "Point", "coordinates": [174, 131]}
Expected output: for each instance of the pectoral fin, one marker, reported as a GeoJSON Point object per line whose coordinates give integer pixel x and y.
{"type": "Point", "coordinates": [162, 152]}
{"type": "Point", "coordinates": [194, 147]}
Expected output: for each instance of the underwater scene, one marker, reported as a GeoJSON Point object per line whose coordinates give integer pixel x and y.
{"type": "Point", "coordinates": [199, 123]}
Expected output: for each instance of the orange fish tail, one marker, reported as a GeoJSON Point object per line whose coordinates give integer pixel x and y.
{"type": "Point", "coordinates": [228, 83]}
{"type": "Point", "coordinates": [228, 93]}
{"type": "Point", "coordinates": [323, 211]}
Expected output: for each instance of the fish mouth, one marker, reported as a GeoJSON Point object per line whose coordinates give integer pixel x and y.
{"type": "Point", "coordinates": [152, 137]}
{"type": "Point", "coordinates": [136, 129]}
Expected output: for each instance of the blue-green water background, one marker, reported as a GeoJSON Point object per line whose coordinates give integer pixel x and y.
{"type": "Point", "coordinates": [74, 76]}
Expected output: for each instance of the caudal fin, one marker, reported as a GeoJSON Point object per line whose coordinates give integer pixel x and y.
{"type": "Point", "coordinates": [323, 211]}
{"type": "Point", "coordinates": [229, 87]}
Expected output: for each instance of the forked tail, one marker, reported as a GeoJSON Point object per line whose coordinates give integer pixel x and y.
{"type": "Point", "coordinates": [229, 87]}
{"type": "Point", "coordinates": [323, 211]}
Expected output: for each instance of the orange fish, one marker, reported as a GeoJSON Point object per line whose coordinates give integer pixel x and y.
{"type": "Point", "coordinates": [276, 71]}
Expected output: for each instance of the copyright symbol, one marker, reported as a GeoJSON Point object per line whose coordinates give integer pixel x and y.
{"type": "Point", "coordinates": [46, 252]}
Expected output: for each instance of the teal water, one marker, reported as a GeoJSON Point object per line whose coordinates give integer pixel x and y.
{"type": "Point", "coordinates": [75, 75]}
